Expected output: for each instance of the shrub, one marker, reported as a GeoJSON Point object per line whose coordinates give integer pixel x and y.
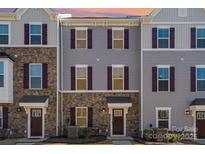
{"type": "Point", "coordinates": [84, 133]}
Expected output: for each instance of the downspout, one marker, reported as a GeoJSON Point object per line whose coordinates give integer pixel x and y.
{"type": "Point", "coordinates": [57, 99]}
{"type": "Point", "coordinates": [141, 77]}
{"type": "Point", "coordinates": [62, 66]}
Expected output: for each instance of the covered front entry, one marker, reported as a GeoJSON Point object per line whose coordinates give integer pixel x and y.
{"type": "Point", "coordinates": [35, 107]}
{"type": "Point", "coordinates": [118, 109]}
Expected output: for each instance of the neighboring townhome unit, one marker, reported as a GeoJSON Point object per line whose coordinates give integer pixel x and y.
{"type": "Point", "coordinates": [28, 73]}
{"type": "Point", "coordinates": [173, 70]}
{"type": "Point", "coordinates": [100, 74]}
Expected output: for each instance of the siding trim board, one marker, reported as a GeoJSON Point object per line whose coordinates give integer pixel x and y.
{"type": "Point", "coordinates": [100, 91]}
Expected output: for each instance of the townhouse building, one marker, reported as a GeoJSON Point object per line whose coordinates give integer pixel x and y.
{"type": "Point", "coordinates": [100, 74]}
{"type": "Point", "coordinates": [28, 73]}
{"type": "Point", "coordinates": [173, 70]}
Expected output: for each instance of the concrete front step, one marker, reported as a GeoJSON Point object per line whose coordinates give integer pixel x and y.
{"type": "Point", "coordinates": [120, 138]}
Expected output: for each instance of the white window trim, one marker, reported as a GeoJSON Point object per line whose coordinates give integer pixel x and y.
{"type": "Point", "coordinates": [86, 39]}
{"type": "Point", "coordinates": [198, 66]}
{"type": "Point", "coordinates": [169, 119]}
{"type": "Point", "coordinates": [35, 23]}
{"type": "Point", "coordinates": [199, 27]}
{"type": "Point", "coordinates": [9, 32]}
{"type": "Point", "coordinates": [76, 117]}
{"type": "Point", "coordinates": [35, 76]}
{"type": "Point", "coordinates": [1, 117]}
{"type": "Point", "coordinates": [163, 27]}
{"type": "Point", "coordinates": [3, 73]}
{"type": "Point", "coordinates": [123, 38]}
{"type": "Point", "coordinates": [118, 66]}
{"type": "Point", "coordinates": [163, 66]}
{"type": "Point", "coordinates": [76, 77]}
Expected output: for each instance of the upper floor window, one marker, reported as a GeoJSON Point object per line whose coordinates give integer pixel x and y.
{"type": "Point", "coordinates": [163, 116]}
{"type": "Point", "coordinates": [82, 116]}
{"type": "Point", "coordinates": [35, 76]}
{"type": "Point", "coordinates": [200, 79]}
{"type": "Point", "coordinates": [1, 74]}
{"type": "Point", "coordinates": [4, 34]}
{"type": "Point", "coordinates": [118, 38]}
{"type": "Point", "coordinates": [81, 78]}
{"type": "Point", "coordinates": [81, 38]}
{"type": "Point", "coordinates": [163, 37]}
{"type": "Point", "coordinates": [36, 34]}
{"type": "Point", "coordinates": [163, 78]}
{"type": "Point", "coordinates": [118, 77]}
{"type": "Point", "coordinates": [200, 37]}
{"type": "Point", "coordinates": [1, 117]}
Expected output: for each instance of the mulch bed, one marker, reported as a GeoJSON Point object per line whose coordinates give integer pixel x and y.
{"type": "Point", "coordinates": [63, 140]}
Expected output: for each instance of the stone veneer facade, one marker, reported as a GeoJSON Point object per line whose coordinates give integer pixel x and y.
{"type": "Point", "coordinates": [98, 102]}
{"type": "Point", "coordinates": [18, 120]}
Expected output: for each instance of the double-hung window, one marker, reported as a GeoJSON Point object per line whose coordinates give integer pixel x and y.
{"type": "Point", "coordinates": [200, 37]}
{"type": "Point", "coordinates": [163, 116]}
{"type": "Point", "coordinates": [1, 74]}
{"type": "Point", "coordinates": [82, 116]}
{"type": "Point", "coordinates": [35, 76]}
{"type": "Point", "coordinates": [163, 76]}
{"type": "Point", "coordinates": [118, 38]}
{"type": "Point", "coordinates": [163, 37]}
{"type": "Point", "coordinates": [4, 34]}
{"type": "Point", "coordinates": [81, 38]}
{"type": "Point", "coordinates": [36, 34]}
{"type": "Point", "coordinates": [1, 117]}
{"type": "Point", "coordinates": [81, 78]}
{"type": "Point", "coordinates": [200, 78]}
{"type": "Point", "coordinates": [118, 77]}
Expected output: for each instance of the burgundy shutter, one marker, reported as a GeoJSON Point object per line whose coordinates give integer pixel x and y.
{"type": "Point", "coordinates": [45, 34]}
{"type": "Point", "coordinates": [126, 78]}
{"type": "Point", "coordinates": [193, 79]}
{"type": "Point", "coordinates": [72, 72]}
{"type": "Point", "coordinates": [126, 38]}
{"type": "Point", "coordinates": [90, 38]}
{"type": "Point", "coordinates": [26, 76]}
{"type": "Point", "coordinates": [5, 117]}
{"type": "Point", "coordinates": [172, 79]}
{"type": "Point", "coordinates": [172, 37]}
{"type": "Point", "coordinates": [193, 37]}
{"type": "Point", "coordinates": [109, 77]}
{"type": "Point", "coordinates": [154, 37]}
{"type": "Point", "coordinates": [26, 33]}
{"type": "Point", "coordinates": [154, 78]}
{"type": "Point", "coordinates": [90, 117]}
{"type": "Point", "coordinates": [72, 116]}
{"type": "Point", "coordinates": [45, 75]}
{"type": "Point", "coordinates": [109, 38]}
{"type": "Point", "coordinates": [72, 36]}
{"type": "Point", "coordinates": [90, 79]}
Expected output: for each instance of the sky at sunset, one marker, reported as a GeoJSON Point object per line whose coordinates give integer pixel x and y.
{"type": "Point", "coordinates": [100, 12]}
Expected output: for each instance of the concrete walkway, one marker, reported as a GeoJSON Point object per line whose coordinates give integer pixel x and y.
{"type": "Point", "coordinates": [124, 140]}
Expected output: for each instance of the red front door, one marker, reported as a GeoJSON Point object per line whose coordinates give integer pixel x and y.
{"type": "Point", "coordinates": [118, 122]}
{"type": "Point", "coordinates": [36, 122]}
{"type": "Point", "coordinates": [200, 124]}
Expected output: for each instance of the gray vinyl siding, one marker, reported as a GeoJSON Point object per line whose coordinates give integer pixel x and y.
{"type": "Point", "coordinates": [182, 97]}
{"type": "Point", "coordinates": [171, 15]}
{"type": "Point", "coordinates": [128, 57]}
{"type": "Point", "coordinates": [33, 15]}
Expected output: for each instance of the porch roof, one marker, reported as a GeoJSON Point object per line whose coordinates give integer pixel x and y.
{"type": "Point", "coordinates": [120, 99]}
{"type": "Point", "coordinates": [198, 101]}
